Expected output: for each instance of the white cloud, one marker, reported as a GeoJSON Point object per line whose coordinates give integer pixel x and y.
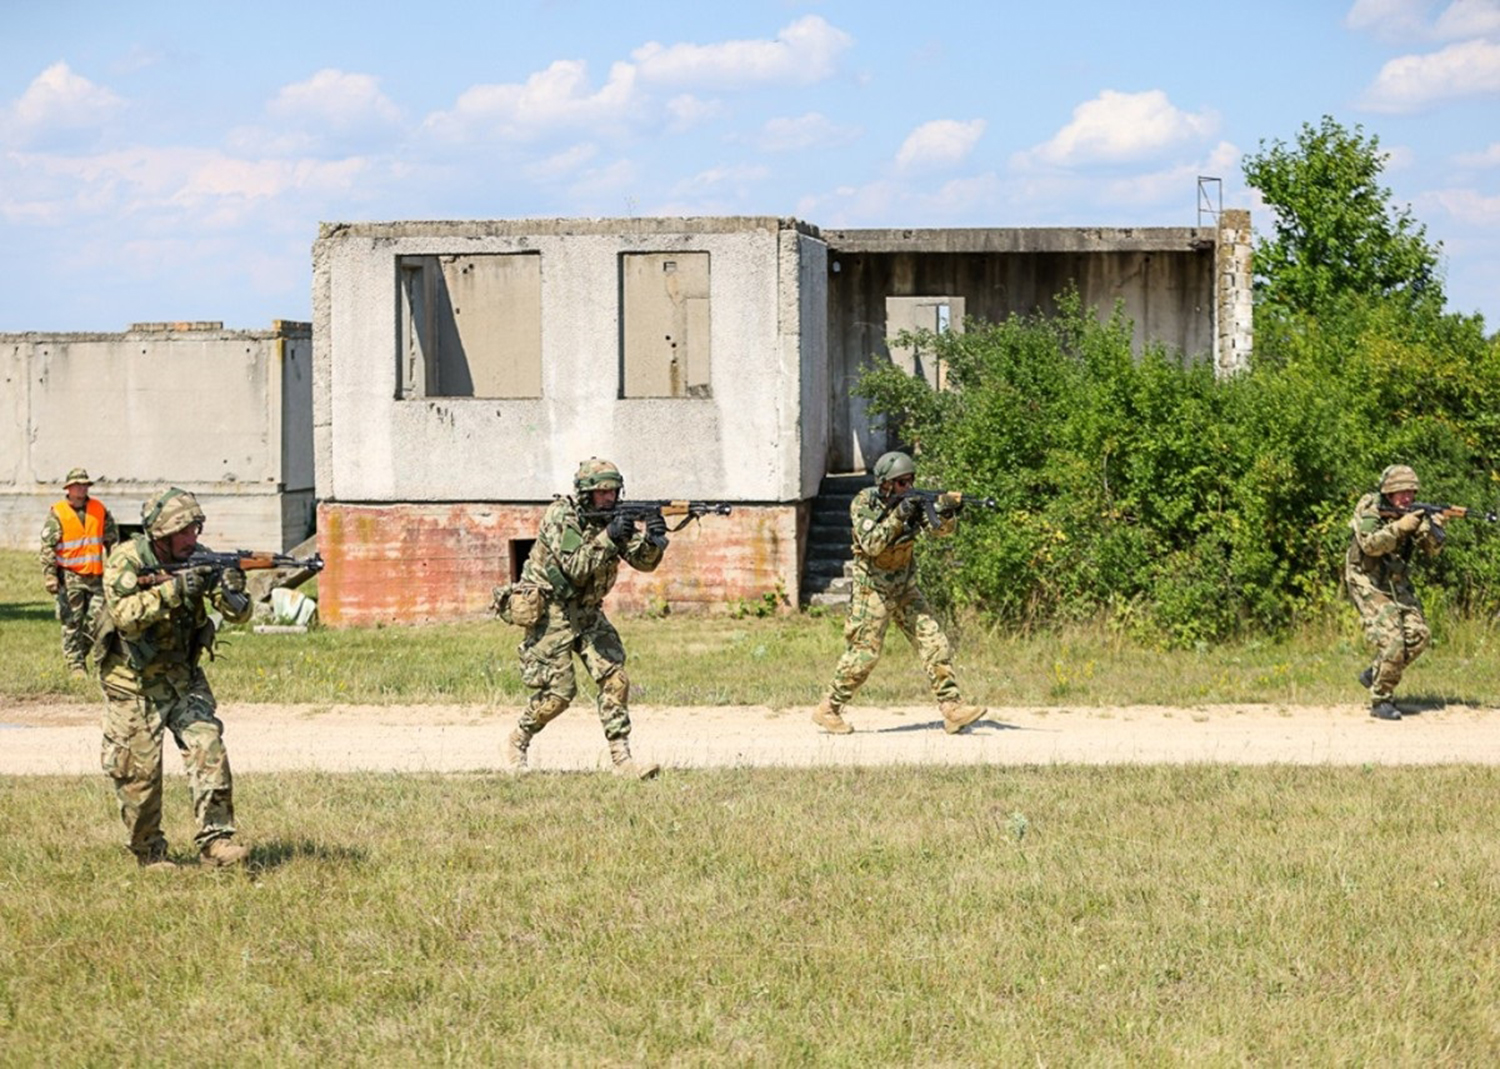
{"type": "Point", "coordinates": [1116, 127]}
{"type": "Point", "coordinates": [688, 111]}
{"type": "Point", "coordinates": [1173, 184]}
{"type": "Point", "coordinates": [562, 163]}
{"type": "Point", "coordinates": [336, 100]}
{"type": "Point", "coordinates": [803, 52]}
{"type": "Point", "coordinates": [1409, 83]}
{"type": "Point", "coordinates": [605, 186]}
{"type": "Point", "coordinates": [803, 131]}
{"type": "Point", "coordinates": [739, 176]}
{"type": "Point", "coordinates": [1403, 21]}
{"type": "Point", "coordinates": [58, 101]}
{"type": "Point", "coordinates": [1389, 20]}
{"type": "Point", "coordinates": [556, 98]}
{"type": "Point", "coordinates": [1489, 157]}
{"type": "Point", "coordinates": [1467, 206]}
{"type": "Point", "coordinates": [1468, 18]}
{"type": "Point", "coordinates": [940, 143]}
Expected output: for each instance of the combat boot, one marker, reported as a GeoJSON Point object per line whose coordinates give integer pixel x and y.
{"type": "Point", "coordinates": [156, 861]}
{"type": "Point", "coordinates": [1385, 710]}
{"type": "Point", "coordinates": [827, 717]}
{"type": "Point", "coordinates": [515, 751]}
{"type": "Point", "coordinates": [957, 715]}
{"type": "Point", "coordinates": [1367, 677]}
{"type": "Point", "coordinates": [625, 765]}
{"type": "Point", "coordinates": [222, 853]}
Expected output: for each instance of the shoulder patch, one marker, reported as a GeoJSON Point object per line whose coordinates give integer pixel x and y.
{"type": "Point", "coordinates": [572, 539]}
{"type": "Point", "coordinates": [1368, 523]}
{"type": "Point", "coordinates": [869, 524]}
{"type": "Point", "coordinates": [127, 580]}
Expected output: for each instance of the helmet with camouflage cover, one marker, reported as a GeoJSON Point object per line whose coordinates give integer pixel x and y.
{"type": "Point", "coordinates": [596, 474]}
{"type": "Point", "coordinates": [1396, 478]}
{"type": "Point", "coordinates": [170, 511]}
{"type": "Point", "coordinates": [77, 475]}
{"type": "Point", "coordinates": [893, 465]}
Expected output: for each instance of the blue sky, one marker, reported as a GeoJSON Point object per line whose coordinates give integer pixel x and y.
{"type": "Point", "coordinates": [166, 161]}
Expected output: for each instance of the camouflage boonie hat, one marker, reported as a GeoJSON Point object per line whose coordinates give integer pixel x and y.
{"type": "Point", "coordinates": [170, 511]}
{"type": "Point", "coordinates": [596, 474]}
{"type": "Point", "coordinates": [77, 475]}
{"type": "Point", "coordinates": [1398, 477]}
{"type": "Point", "coordinates": [893, 466]}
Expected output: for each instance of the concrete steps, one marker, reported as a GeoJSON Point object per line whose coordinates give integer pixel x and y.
{"type": "Point", "coordinates": [825, 572]}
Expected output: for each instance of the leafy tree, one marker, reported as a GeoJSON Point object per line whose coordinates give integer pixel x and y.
{"type": "Point", "coordinates": [1336, 232]}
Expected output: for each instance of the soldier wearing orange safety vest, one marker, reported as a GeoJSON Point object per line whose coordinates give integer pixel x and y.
{"type": "Point", "coordinates": [77, 536]}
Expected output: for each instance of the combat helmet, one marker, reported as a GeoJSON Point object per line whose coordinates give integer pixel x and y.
{"type": "Point", "coordinates": [1396, 478]}
{"type": "Point", "coordinates": [170, 511]}
{"type": "Point", "coordinates": [893, 465]}
{"type": "Point", "coordinates": [596, 474]}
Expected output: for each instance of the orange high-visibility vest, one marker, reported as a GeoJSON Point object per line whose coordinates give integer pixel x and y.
{"type": "Point", "coordinates": [82, 547]}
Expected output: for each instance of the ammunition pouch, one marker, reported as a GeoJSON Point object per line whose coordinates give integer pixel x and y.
{"type": "Point", "coordinates": [521, 604]}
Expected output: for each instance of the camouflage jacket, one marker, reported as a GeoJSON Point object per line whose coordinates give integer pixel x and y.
{"type": "Point", "coordinates": [885, 549]}
{"type": "Point", "coordinates": [52, 535]}
{"type": "Point", "coordinates": [148, 636]}
{"type": "Point", "coordinates": [575, 559]}
{"type": "Point", "coordinates": [1380, 554]}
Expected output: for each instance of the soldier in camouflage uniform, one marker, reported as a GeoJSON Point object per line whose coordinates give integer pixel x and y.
{"type": "Point", "coordinates": [885, 591]}
{"type": "Point", "coordinates": [1376, 573]}
{"type": "Point", "coordinates": [575, 561]}
{"type": "Point", "coordinates": [77, 535]}
{"type": "Point", "coordinates": [154, 630]}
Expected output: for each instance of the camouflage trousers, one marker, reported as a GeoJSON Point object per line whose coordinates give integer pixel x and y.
{"type": "Point", "coordinates": [870, 614]}
{"type": "Point", "coordinates": [1396, 627]}
{"type": "Point", "coordinates": [132, 757]}
{"type": "Point", "coordinates": [79, 600]}
{"type": "Point", "coordinates": [547, 667]}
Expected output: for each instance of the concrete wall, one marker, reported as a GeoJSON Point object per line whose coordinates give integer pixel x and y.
{"type": "Point", "coordinates": [417, 563]}
{"type": "Point", "coordinates": [224, 413]}
{"type": "Point", "coordinates": [1164, 276]}
{"type": "Point", "coordinates": [740, 443]}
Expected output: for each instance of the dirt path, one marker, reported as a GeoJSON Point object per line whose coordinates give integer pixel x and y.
{"type": "Point", "coordinates": [64, 738]}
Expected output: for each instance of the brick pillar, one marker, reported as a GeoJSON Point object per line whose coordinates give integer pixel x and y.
{"type": "Point", "coordinates": [1233, 294]}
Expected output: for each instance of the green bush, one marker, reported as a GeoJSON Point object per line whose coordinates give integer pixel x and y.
{"type": "Point", "coordinates": [1186, 508]}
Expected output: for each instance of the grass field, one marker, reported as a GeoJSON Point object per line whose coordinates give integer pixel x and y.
{"type": "Point", "coordinates": [1199, 915]}
{"type": "Point", "coordinates": [1054, 916]}
{"type": "Point", "coordinates": [776, 661]}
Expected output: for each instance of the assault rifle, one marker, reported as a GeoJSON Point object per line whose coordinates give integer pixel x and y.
{"type": "Point", "coordinates": [927, 501]}
{"type": "Point", "coordinates": [641, 511]}
{"type": "Point", "coordinates": [1432, 511]}
{"type": "Point", "coordinates": [212, 565]}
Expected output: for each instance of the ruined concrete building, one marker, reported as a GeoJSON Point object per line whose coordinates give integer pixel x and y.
{"type": "Point", "coordinates": [226, 414]}
{"type": "Point", "coordinates": [462, 370]}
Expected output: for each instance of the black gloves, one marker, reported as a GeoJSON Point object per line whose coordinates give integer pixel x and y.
{"type": "Point", "coordinates": [191, 584]}
{"type": "Point", "coordinates": [656, 528]}
{"type": "Point", "coordinates": [909, 509]}
{"type": "Point", "coordinates": [620, 528]}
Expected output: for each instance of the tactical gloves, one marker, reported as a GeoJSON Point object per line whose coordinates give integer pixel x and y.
{"type": "Point", "coordinates": [1409, 522]}
{"type": "Point", "coordinates": [909, 509]}
{"type": "Point", "coordinates": [620, 529]}
{"type": "Point", "coordinates": [190, 584]}
{"type": "Point", "coordinates": [233, 580]}
{"type": "Point", "coordinates": [656, 527]}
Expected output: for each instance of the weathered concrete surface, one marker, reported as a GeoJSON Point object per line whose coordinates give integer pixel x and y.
{"type": "Point", "coordinates": [224, 413]}
{"type": "Point", "coordinates": [417, 563]}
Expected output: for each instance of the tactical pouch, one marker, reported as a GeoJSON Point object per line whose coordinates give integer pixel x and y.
{"type": "Point", "coordinates": [528, 604]}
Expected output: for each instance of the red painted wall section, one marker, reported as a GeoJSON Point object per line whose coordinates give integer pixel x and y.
{"type": "Point", "coordinates": [421, 563]}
